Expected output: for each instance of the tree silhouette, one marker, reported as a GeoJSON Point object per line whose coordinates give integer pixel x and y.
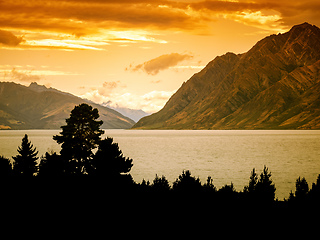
{"type": "Point", "coordinates": [5, 167]}
{"type": "Point", "coordinates": [250, 190]}
{"type": "Point", "coordinates": [302, 189]}
{"type": "Point", "coordinates": [227, 192]}
{"type": "Point", "coordinates": [25, 163]}
{"type": "Point", "coordinates": [160, 185]}
{"type": "Point", "coordinates": [208, 187]}
{"type": "Point", "coordinates": [109, 161]}
{"type": "Point", "coordinates": [52, 165]}
{"type": "Point", "coordinates": [315, 190]}
{"type": "Point", "coordinates": [79, 137]}
{"type": "Point", "coordinates": [265, 188]}
{"type": "Point", "coordinates": [187, 183]}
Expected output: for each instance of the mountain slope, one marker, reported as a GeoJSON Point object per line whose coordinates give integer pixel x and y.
{"type": "Point", "coordinates": [275, 85]}
{"type": "Point", "coordinates": [38, 107]}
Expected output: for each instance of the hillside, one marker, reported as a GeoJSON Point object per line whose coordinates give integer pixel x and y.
{"type": "Point", "coordinates": [275, 85]}
{"type": "Point", "coordinates": [38, 107]}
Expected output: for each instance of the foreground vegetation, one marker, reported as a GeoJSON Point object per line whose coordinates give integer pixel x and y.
{"type": "Point", "coordinates": [91, 165]}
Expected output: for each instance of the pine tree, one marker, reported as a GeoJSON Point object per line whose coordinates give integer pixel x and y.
{"type": "Point", "coordinates": [160, 185]}
{"type": "Point", "coordinates": [109, 161]}
{"type": "Point", "coordinates": [265, 188]}
{"type": "Point", "coordinates": [250, 189]}
{"type": "Point", "coordinates": [302, 189]}
{"type": "Point", "coordinates": [187, 183]}
{"type": "Point", "coordinates": [79, 137]}
{"type": "Point", "coordinates": [25, 163]}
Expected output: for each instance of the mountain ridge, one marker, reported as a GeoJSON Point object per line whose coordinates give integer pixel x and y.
{"type": "Point", "coordinates": [268, 87]}
{"type": "Point", "coordinates": [39, 107]}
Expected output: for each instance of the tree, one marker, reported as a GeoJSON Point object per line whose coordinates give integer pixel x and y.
{"type": "Point", "coordinates": [160, 185]}
{"type": "Point", "coordinates": [302, 189]}
{"type": "Point", "coordinates": [25, 163]}
{"type": "Point", "coordinates": [208, 187]}
{"type": "Point", "coordinates": [265, 188]}
{"type": "Point", "coordinates": [186, 183]}
{"type": "Point", "coordinates": [109, 161]}
{"type": "Point", "coordinates": [52, 165]}
{"type": "Point", "coordinates": [250, 190]}
{"type": "Point", "coordinates": [79, 137]}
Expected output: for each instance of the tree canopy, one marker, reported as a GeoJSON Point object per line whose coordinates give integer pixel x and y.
{"type": "Point", "coordinates": [79, 137]}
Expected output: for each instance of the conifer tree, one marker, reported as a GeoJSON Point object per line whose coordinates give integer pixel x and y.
{"type": "Point", "coordinates": [265, 188]}
{"type": "Point", "coordinates": [79, 137]}
{"type": "Point", "coordinates": [302, 189]}
{"type": "Point", "coordinates": [25, 163]}
{"type": "Point", "coordinates": [109, 161]}
{"type": "Point", "coordinates": [250, 189]}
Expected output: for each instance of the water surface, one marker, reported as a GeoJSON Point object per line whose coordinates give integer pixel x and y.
{"type": "Point", "coordinates": [226, 155]}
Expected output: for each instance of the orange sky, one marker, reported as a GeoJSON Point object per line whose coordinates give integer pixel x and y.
{"type": "Point", "coordinates": [134, 53]}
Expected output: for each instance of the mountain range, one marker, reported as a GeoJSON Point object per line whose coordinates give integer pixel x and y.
{"type": "Point", "coordinates": [275, 85]}
{"type": "Point", "coordinates": [39, 107]}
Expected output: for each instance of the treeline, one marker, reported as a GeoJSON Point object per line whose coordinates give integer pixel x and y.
{"type": "Point", "coordinates": [87, 163]}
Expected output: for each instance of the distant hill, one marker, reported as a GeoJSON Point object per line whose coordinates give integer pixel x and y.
{"type": "Point", "coordinates": [134, 114]}
{"type": "Point", "coordinates": [38, 107]}
{"type": "Point", "coordinates": [275, 85]}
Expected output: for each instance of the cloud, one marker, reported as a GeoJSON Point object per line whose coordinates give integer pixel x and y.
{"type": "Point", "coordinates": [163, 62]}
{"type": "Point", "coordinates": [76, 44]}
{"type": "Point", "coordinates": [28, 73]}
{"type": "Point", "coordinates": [9, 39]}
{"type": "Point", "coordinates": [150, 102]}
{"type": "Point", "coordinates": [108, 87]}
{"type": "Point", "coordinates": [23, 76]}
{"type": "Point", "coordinates": [86, 17]}
{"type": "Point", "coordinates": [95, 18]}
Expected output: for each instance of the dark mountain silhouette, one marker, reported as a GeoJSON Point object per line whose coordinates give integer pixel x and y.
{"type": "Point", "coordinates": [38, 107]}
{"type": "Point", "coordinates": [275, 85]}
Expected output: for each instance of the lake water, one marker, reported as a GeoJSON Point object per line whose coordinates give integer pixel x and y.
{"type": "Point", "coordinates": [226, 155]}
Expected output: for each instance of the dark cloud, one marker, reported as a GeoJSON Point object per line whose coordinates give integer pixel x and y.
{"type": "Point", "coordinates": [83, 17]}
{"type": "Point", "coordinates": [9, 39]}
{"type": "Point", "coordinates": [162, 62]}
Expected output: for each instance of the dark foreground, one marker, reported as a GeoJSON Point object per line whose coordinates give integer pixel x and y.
{"type": "Point", "coordinates": [187, 194]}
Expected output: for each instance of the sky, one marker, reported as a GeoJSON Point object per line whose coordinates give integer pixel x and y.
{"type": "Point", "coordinates": [132, 53]}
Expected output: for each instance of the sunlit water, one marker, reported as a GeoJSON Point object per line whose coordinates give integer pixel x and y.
{"type": "Point", "coordinates": [226, 155]}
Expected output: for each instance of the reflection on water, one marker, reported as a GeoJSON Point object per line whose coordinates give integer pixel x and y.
{"type": "Point", "coordinates": [226, 155]}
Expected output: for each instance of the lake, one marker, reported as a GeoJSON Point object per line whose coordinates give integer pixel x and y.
{"type": "Point", "coordinates": [226, 155]}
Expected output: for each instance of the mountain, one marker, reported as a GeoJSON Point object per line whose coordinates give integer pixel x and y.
{"type": "Point", "coordinates": [275, 85]}
{"type": "Point", "coordinates": [38, 107]}
{"type": "Point", "coordinates": [134, 114]}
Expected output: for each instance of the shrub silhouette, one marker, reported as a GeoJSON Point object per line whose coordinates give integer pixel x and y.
{"type": "Point", "coordinates": [25, 163]}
